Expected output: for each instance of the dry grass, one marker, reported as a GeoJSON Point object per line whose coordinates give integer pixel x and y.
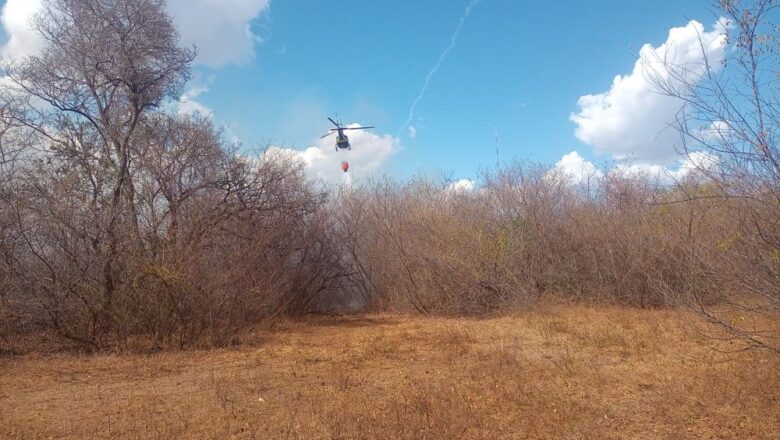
{"type": "Point", "coordinates": [563, 372]}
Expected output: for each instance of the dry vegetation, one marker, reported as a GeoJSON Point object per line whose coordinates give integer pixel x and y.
{"type": "Point", "coordinates": [555, 372]}
{"type": "Point", "coordinates": [128, 229]}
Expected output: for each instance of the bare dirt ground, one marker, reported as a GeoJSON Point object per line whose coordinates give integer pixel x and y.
{"type": "Point", "coordinates": [562, 372]}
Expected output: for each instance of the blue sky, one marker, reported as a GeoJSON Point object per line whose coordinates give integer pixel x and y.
{"type": "Point", "coordinates": [518, 66]}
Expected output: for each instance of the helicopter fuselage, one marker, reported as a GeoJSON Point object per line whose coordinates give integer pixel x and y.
{"type": "Point", "coordinates": [342, 141]}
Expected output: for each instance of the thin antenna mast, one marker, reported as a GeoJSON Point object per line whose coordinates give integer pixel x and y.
{"type": "Point", "coordinates": [498, 162]}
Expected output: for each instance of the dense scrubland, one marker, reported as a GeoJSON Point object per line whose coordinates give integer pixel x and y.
{"type": "Point", "coordinates": [219, 263]}
{"type": "Point", "coordinates": [126, 226]}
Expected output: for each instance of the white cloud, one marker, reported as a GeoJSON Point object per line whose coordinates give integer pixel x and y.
{"type": "Point", "coordinates": [412, 132]}
{"type": "Point", "coordinates": [15, 18]}
{"type": "Point", "coordinates": [576, 170]}
{"type": "Point", "coordinates": [188, 103]}
{"type": "Point", "coordinates": [694, 164]}
{"type": "Point", "coordinates": [463, 185]}
{"type": "Point", "coordinates": [368, 155]}
{"type": "Point", "coordinates": [580, 172]}
{"type": "Point", "coordinates": [632, 120]}
{"type": "Point", "coordinates": [716, 132]}
{"type": "Point", "coordinates": [221, 29]}
{"type": "Point", "coordinates": [697, 162]}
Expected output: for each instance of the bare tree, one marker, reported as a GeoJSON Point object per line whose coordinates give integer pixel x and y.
{"type": "Point", "coordinates": [128, 222]}
{"type": "Point", "coordinates": [730, 122]}
{"type": "Point", "coordinates": [9, 152]}
{"type": "Point", "coordinates": [106, 64]}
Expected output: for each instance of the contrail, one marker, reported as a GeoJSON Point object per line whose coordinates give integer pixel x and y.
{"type": "Point", "coordinates": [453, 41]}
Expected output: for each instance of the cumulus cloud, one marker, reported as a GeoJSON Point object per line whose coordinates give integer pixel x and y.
{"type": "Point", "coordinates": [577, 170]}
{"type": "Point", "coordinates": [220, 29]}
{"type": "Point", "coordinates": [463, 185]}
{"type": "Point", "coordinates": [716, 132]}
{"type": "Point", "coordinates": [188, 103]}
{"type": "Point", "coordinates": [695, 165]}
{"type": "Point", "coordinates": [631, 119]}
{"type": "Point", "coordinates": [697, 162]}
{"type": "Point", "coordinates": [15, 18]}
{"type": "Point", "coordinates": [368, 155]}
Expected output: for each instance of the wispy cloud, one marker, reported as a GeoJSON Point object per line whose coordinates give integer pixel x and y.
{"type": "Point", "coordinates": [442, 57]}
{"type": "Point", "coordinates": [188, 102]}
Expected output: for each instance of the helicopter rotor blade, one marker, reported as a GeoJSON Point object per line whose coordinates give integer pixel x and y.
{"type": "Point", "coordinates": [356, 128]}
{"type": "Point", "coordinates": [334, 122]}
{"type": "Point", "coordinates": [327, 134]}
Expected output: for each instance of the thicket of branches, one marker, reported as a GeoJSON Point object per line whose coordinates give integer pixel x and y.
{"type": "Point", "coordinates": [528, 232]}
{"type": "Point", "coordinates": [125, 224]}
{"type": "Point", "coordinates": [122, 220]}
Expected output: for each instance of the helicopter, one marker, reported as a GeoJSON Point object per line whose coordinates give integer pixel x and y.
{"type": "Point", "coordinates": [342, 141]}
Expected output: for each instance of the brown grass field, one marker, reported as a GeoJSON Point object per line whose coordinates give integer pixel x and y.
{"type": "Point", "coordinates": [557, 372]}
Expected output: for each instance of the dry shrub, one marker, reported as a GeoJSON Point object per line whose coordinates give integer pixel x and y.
{"type": "Point", "coordinates": [527, 232]}
{"type": "Point", "coordinates": [418, 246]}
{"type": "Point", "coordinates": [199, 273]}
